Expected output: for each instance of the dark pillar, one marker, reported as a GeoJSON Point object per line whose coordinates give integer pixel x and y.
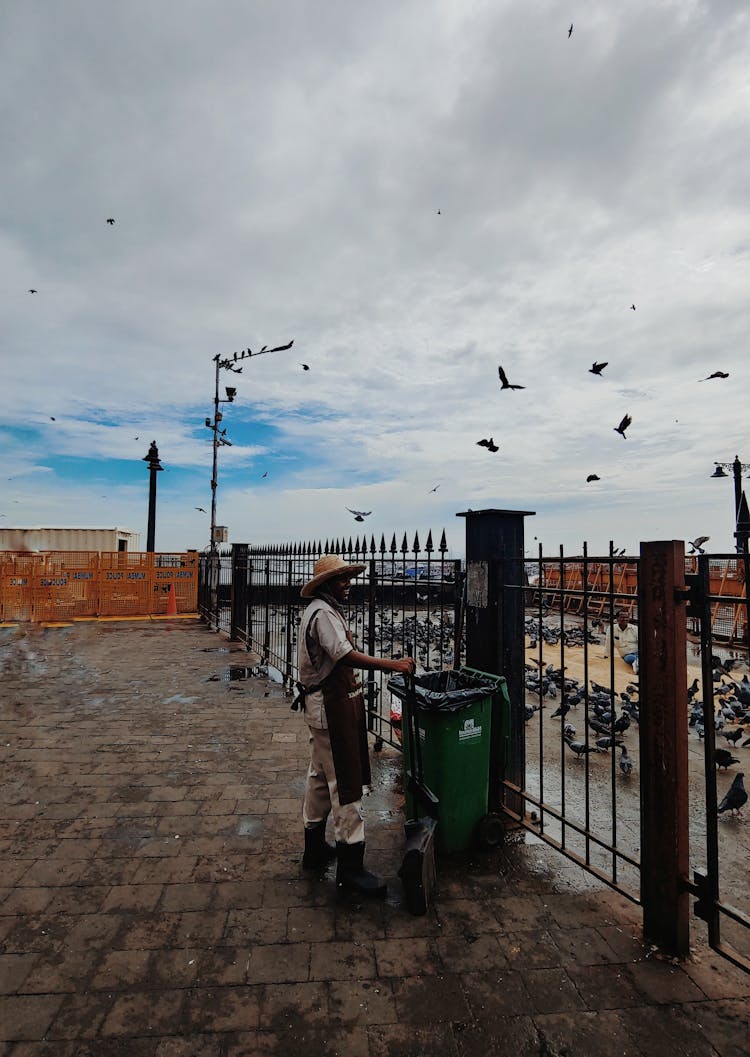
{"type": "Point", "coordinates": [663, 733]}
{"type": "Point", "coordinates": [238, 592]}
{"type": "Point", "coordinates": [495, 583]}
{"type": "Point", "coordinates": [154, 466]}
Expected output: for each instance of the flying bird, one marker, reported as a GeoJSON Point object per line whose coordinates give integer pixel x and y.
{"type": "Point", "coordinates": [264, 475]}
{"type": "Point", "coordinates": [305, 366]}
{"type": "Point", "coordinates": [697, 544]}
{"type": "Point", "coordinates": [504, 383]}
{"type": "Point", "coordinates": [597, 368]}
{"type": "Point", "coordinates": [626, 420]}
{"type": "Point", "coordinates": [433, 489]}
{"type": "Point", "coordinates": [716, 374]}
{"type": "Point", "coordinates": [488, 444]}
{"type": "Point", "coordinates": [110, 220]}
{"type": "Point", "coordinates": [52, 418]}
{"type": "Point", "coordinates": [201, 509]}
{"type": "Point", "coordinates": [33, 291]}
{"type": "Point", "coordinates": [736, 796]}
{"type": "Point", "coordinates": [570, 31]}
{"type": "Point", "coordinates": [592, 477]}
{"type": "Point", "coordinates": [633, 307]}
{"type": "Point", "coordinates": [359, 515]}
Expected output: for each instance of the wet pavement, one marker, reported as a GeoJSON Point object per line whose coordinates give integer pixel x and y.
{"type": "Point", "coordinates": [152, 900]}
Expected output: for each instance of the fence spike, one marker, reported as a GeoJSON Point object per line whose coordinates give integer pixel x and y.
{"type": "Point", "coordinates": [394, 548]}
{"type": "Point", "coordinates": [382, 543]}
{"type": "Point", "coordinates": [428, 545]}
{"type": "Point", "coordinates": [416, 543]}
{"type": "Point", "coordinates": [356, 545]}
{"type": "Point", "coordinates": [443, 545]}
{"type": "Point", "coordinates": [372, 544]}
{"type": "Point", "coordinates": [404, 545]}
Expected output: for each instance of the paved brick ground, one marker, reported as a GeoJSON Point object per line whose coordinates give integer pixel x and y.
{"type": "Point", "coordinates": [152, 902]}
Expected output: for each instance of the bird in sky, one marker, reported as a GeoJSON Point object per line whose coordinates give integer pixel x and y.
{"type": "Point", "coordinates": [305, 366]}
{"type": "Point", "coordinates": [264, 475]}
{"type": "Point", "coordinates": [697, 544]}
{"type": "Point", "coordinates": [200, 508]}
{"type": "Point", "coordinates": [633, 307]}
{"type": "Point", "coordinates": [32, 291]}
{"type": "Point", "coordinates": [570, 31]}
{"type": "Point", "coordinates": [626, 421]}
{"type": "Point", "coordinates": [736, 797]}
{"type": "Point", "coordinates": [110, 220]}
{"type": "Point", "coordinates": [597, 368]}
{"type": "Point", "coordinates": [716, 374]}
{"type": "Point", "coordinates": [438, 212]}
{"type": "Point", "coordinates": [433, 489]}
{"type": "Point", "coordinates": [359, 515]}
{"type": "Point", "coordinates": [504, 383]}
{"type": "Point", "coordinates": [488, 444]}
{"type": "Point", "coordinates": [592, 477]}
{"type": "Point", "coordinates": [136, 438]}
{"type": "Point", "coordinates": [52, 418]}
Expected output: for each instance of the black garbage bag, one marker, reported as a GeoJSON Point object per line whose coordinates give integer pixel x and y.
{"type": "Point", "coordinates": [442, 691]}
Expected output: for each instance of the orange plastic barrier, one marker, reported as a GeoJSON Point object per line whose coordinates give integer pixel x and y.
{"type": "Point", "coordinates": [61, 585]}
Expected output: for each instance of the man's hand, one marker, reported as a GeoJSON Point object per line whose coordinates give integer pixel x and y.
{"type": "Point", "coordinates": [405, 665]}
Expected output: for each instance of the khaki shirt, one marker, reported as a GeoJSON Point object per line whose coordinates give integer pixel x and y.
{"type": "Point", "coordinates": [322, 642]}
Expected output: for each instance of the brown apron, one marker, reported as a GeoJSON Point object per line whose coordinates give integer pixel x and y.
{"type": "Point", "coordinates": [347, 728]}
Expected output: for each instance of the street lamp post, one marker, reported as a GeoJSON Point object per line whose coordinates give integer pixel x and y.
{"type": "Point", "coordinates": [154, 466]}
{"type": "Point", "coordinates": [741, 526]}
{"type": "Point", "coordinates": [219, 435]}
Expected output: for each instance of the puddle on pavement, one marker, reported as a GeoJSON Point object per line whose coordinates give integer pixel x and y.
{"type": "Point", "coordinates": [237, 672]}
{"type": "Point", "coordinates": [250, 827]}
{"type": "Point", "coordinates": [215, 649]}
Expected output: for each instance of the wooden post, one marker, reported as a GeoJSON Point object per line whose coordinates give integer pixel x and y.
{"type": "Point", "coordinates": [662, 657]}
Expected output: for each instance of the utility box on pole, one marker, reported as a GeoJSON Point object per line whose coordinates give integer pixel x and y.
{"type": "Point", "coordinates": [494, 623]}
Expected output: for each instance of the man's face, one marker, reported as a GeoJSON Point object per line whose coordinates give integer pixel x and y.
{"type": "Point", "coordinates": [340, 587]}
{"type": "Point", "coordinates": [622, 620]}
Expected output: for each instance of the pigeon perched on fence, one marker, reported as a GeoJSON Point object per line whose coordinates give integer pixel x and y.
{"type": "Point", "coordinates": [736, 796]}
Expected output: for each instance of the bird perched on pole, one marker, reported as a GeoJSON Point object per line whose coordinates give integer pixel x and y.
{"type": "Point", "coordinates": [736, 796]}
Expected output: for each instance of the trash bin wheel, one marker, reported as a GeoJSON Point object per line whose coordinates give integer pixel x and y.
{"type": "Point", "coordinates": [490, 832]}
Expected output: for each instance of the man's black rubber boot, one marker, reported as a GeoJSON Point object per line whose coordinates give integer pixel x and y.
{"type": "Point", "coordinates": [318, 853]}
{"type": "Point", "coordinates": [351, 874]}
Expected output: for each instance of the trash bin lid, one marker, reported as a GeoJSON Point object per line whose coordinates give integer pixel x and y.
{"type": "Point", "coordinates": [447, 691]}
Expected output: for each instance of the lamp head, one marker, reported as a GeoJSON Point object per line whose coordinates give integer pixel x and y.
{"type": "Point", "coordinates": [719, 472]}
{"type": "Point", "coordinates": [231, 391]}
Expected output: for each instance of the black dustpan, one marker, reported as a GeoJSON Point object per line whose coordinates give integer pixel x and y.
{"type": "Point", "coordinates": [417, 871]}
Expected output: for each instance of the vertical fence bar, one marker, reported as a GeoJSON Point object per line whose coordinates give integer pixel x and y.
{"type": "Point", "coordinates": [662, 654]}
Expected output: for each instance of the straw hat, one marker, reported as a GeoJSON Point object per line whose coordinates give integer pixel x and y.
{"type": "Point", "coordinates": [326, 568]}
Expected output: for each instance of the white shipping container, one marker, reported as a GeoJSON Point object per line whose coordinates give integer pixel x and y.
{"type": "Point", "coordinates": [69, 539]}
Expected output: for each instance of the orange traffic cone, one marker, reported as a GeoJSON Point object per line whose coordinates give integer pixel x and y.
{"type": "Point", "coordinates": [172, 602]}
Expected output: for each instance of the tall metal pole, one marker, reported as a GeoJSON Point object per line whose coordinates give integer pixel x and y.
{"type": "Point", "coordinates": [737, 472]}
{"type": "Point", "coordinates": [154, 466]}
{"type": "Point", "coordinates": [214, 469]}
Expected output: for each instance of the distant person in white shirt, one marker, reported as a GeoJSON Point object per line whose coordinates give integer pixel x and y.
{"type": "Point", "coordinates": [625, 636]}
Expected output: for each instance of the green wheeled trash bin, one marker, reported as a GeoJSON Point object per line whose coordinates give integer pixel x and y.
{"type": "Point", "coordinates": [459, 715]}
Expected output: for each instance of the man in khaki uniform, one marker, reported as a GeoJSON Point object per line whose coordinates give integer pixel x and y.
{"type": "Point", "coordinates": [335, 714]}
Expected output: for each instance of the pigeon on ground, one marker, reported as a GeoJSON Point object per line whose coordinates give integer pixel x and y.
{"type": "Point", "coordinates": [733, 736]}
{"type": "Point", "coordinates": [626, 762]}
{"type": "Point", "coordinates": [597, 368]}
{"type": "Point", "coordinates": [723, 758]}
{"type": "Point", "coordinates": [716, 374]}
{"type": "Point", "coordinates": [736, 796]}
{"type": "Point", "coordinates": [626, 421]}
{"type": "Point", "coordinates": [561, 711]}
{"type": "Point", "coordinates": [504, 383]}
{"type": "Point", "coordinates": [592, 477]}
{"type": "Point", "coordinates": [580, 748]}
{"type": "Point", "coordinates": [697, 544]}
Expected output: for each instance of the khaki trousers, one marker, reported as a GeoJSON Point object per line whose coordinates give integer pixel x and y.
{"type": "Point", "coordinates": [321, 793]}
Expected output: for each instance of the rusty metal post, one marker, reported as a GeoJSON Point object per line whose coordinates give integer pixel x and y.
{"type": "Point", "coordinates": [662, 658]}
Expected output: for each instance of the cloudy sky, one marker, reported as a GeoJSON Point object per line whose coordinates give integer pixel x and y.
{"type": "Point", "coordinates": [415, 191]}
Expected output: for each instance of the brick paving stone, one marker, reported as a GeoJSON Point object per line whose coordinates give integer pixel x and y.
{"type": "Point", "coordinates": [362, 1002]}
{"type": "Point", "coordinates": [223, 1009]}
{"type": "Point", "coordinates": [470, 951]}
{"type": "Point", "coordinates": [664, 982]}
{"type": "Point", "coordinates": [342, 961]}
{"type": "Point", "coordinates": [582, 945]}
{"type": "Point", "coordinates": [411, 1040]}
{"type": "Point", "coordinates": [585, 1034]}
{"type": "Point", "coordinates": [132, 897]}
{"type": "Point", "coordinates": [431, 999]}
{"type": "Point", "coordinates": [725, 1024]}
{"type": "Point", "coordinates": [120, 970]}
{"type": "Point", "coordinates": [551, 990]}
{"type": "Point", "coordinates": [60, 971]}
{"type": "Point", "coordinates": [256, 925]}
{"type": "Point", "coordinates": [717, 978]}
{"type": "Point", "coordinates": [80, 1016]}
{"type": "Point", "coordinates": [146, 1013]}
{"type": "Point", "coordinates": [285, 1005]}
{"type": "Point", "coordinates": [669, 1030]}
{"type": "Point", "coordinates": [26, 901]}
{"type": "Point", "coordinates": [14, 968]}
{"type": "Point", "coordinates": [404, 957]}
{"type": "Point", "coordinates": [315, 924]}
{"type": "Point", "coordinates": [192, 1046]}
{"type": "Point", "coordinates": [27, 1016]}
{"type": "Point", "coordinates": [298, 1042]}
{"type": "Point", "coordinates": [279, 963]}
{"type": "Point", "coordinates": [606, 987]}
{"type": "Point", "coordinates": [497, 995]}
